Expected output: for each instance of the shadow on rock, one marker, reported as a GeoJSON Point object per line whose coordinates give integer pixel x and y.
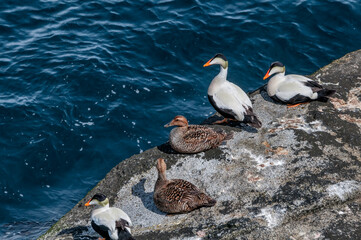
{"type": "Point", "coordinates": [146, 197]}
{"type": "Point", "coordinates": [77, 233]}
{"type": "Point", "coordinates": [264, 95]}
{"type": "Point", "coordinates": [233, 124]}
{"type": "Point", "coordinates": [166, 148]}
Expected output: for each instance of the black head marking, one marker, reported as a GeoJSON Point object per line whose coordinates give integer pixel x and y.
{"type": "Point", "coordinates": [100, 197]}
{"type": "Point", "coordinates": [276, 64]}
{"type": "Point", "coordinates": [220, 55]}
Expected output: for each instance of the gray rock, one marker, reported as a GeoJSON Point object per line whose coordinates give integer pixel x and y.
{"type": "Point", "coordinates": [298, 177]}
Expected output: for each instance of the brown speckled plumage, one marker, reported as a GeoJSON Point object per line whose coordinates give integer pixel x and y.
{"type": "Point", "coordinates": [177, 195]}
{"type": "Point", "coordinates": [194, 138]}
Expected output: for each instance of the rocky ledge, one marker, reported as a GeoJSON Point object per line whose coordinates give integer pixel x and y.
{"type": "Point", "coordinates": [298, 177]}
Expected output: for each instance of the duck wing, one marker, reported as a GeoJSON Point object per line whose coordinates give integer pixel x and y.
{"type": "Point", "coordinates": [192, 197]}
{"type": "Point", "coordinates": [294, 88]}
{"type": "Point", "coordinates": [315, 86]}
{"type": "Point", "coordinates": [180, 196]}
{"type": "Point", "coordinates": [118, 214]}
{"type": "Point", "coordinates": [104, 223]}
{"type": "Point", "coordinates": [232, 100]}
{"type": "Point", "coordinates": [200, 134]}
{"type": "Point", "coordinates": [176, 189]}
{"type": "Point", "coordinates": [104, 219]}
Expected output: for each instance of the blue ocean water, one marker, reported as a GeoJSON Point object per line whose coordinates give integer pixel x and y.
{"type": "Point", "coordinates": [86, 84]}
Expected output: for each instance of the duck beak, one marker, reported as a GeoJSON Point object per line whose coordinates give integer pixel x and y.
{"type": "Point", "coordinates": [169, 124]}
{"type": "Point", "coordinates": [88, 203]}
{"type": "Point", "coordinates": [208, 63]}
{"type": "Point", "coordinates": [267, 75]}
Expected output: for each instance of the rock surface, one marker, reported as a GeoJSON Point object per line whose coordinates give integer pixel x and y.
{"type": "Point", "coordinates": [298, 177]}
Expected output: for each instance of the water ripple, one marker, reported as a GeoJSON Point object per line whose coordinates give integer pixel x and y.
{"type": "Point", "coordinates": [85, 84]}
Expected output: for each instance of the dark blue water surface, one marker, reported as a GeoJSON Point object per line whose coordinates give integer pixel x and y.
{"type": "Point", "coordinates": [86, 84]}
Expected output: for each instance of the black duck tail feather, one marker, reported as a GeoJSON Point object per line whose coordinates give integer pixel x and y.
{"type": "Point", "coordinates": [211, 202]}
{"type": "Point", "coordinates": [205, 200]}
{"type": "Point", "coordinates": [324, 94]}
{"type": "Point", "coordinates": [253, 121]}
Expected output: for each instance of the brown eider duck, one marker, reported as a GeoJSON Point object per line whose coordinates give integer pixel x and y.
{"type": "Point", "coordinates": [194, 138]}
{"type": "Point", "coordinates": [177, 195]}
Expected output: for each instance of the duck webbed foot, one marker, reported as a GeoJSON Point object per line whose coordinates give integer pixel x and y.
{"type": "Point", "coordinates": [224, 120]}
{"type": "Point", "coordinates": [295, 105]}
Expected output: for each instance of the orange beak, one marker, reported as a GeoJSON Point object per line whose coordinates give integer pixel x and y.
{"type": "Point", "coordinates": [267, 75]}
{"type": "Point", "coordinates": [207, 63]}
{"type": "Point", "coordinates": [88, 203]}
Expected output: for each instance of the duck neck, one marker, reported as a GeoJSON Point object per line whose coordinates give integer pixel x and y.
{"type": "Point", "coordinates": [274, 83]}
{"type": "Point", "coordinates": [217, 80]}
{"type": "Point", "coordinates": [162, 176]}
{"type": "Point", "coordinates": [100, 209]}
{"type": "Point", "coordinates": [222, 75]}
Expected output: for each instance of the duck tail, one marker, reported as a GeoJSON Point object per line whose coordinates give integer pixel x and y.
{"type": "Point", "coordinates": [324, 94]}
{"type": "Point", "coordinates": [210, 203]}
{"type": "Point", "coordinates": [253, 121]}
{"type": "Point", "coordinates": [205, 201]}
{"type": "Point", "coordinates": [228, 136]}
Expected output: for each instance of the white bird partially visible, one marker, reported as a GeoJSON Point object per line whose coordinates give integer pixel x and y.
{"type": "Point", "coordinates": [294, 89]}
{"type": "Point", "coordinates": [227, 98]}
{"type": "Point", "coordinates": [109, 222]}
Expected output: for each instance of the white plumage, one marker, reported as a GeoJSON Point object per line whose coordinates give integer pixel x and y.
{"type": "Point", "coordinates": [292, 88]}
{"type": "Point", "coordinates": [230, 96]}
{"type": "Point", "coordinates": [109, 221]}
{"type": "Point", "coordinates": [227, 98]}
{"type": "Point", "coordinates": [107, 216]}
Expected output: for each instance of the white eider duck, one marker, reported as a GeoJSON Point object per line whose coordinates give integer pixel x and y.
{"type": "Point", "coordinates": [177, 195]}
{"type": "Point", "coordinates": [109, 222]}
{"type": "Point", "coordinates": [227, 98]}
{"type": "Point", "coordinates": [194, 138]}
{"type": "Point", "coordinates": [293, 89]}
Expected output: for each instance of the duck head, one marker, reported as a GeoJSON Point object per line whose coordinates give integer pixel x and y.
{"type": "Point", "coordinates": [179, 121]}
{"type": "Point", "coordinates": [276, 67]}
{"type": "Point", "coordinates": [220, 59]}
{"type": "Point", "coordinates": [99, 200]}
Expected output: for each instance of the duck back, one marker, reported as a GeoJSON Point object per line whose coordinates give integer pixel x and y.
{"type": "Point", "coordinates": [180, 196]}
{"type": "Point", "coordinates": [196, 138]}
